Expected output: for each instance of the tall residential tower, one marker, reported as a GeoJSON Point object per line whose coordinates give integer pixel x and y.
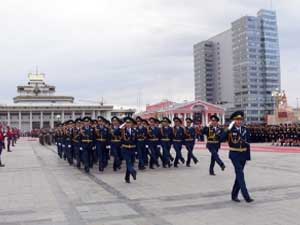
{"type": "Point", "coordinates": [241, 66]}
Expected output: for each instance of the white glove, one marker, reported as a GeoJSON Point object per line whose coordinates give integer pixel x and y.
{"type": "Point", "coordinates": [231, 125]}
{"type": "Point", "coordinates": [81, 149]}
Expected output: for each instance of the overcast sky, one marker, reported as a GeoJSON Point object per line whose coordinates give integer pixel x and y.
{"type": "Point", "coordinates": [119, 49]}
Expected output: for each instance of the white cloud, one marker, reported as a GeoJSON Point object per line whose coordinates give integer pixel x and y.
{"type": "Point", "coordinates": [118, 49]}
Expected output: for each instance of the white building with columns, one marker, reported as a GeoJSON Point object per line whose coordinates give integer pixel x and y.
{"type": "Point", "coordinates": [37, 107]}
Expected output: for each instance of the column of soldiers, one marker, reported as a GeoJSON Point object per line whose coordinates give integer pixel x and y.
{"type": "Point", "coordinates": [86, 142]}
{"type": "Point", "coordinates": [279, 135]}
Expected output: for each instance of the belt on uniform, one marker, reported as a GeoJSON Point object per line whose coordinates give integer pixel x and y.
{"type": "Point", "coordinates": [213, 142]}
{"type": "Point", "coordinates": [102, 140]}
{"type": "Point", "coordinates": [177, 140]}
{"type": "Point", "coordinates": [153, 139]}
{"type": "Point", "coordinates": [128, 146]}
{"type": "Point", "coordinates": [115, 140]}
{"type": "Point", "coordinates": [75, 141]}
{"type": "Point", "coordinates": [87, 141]}
{"type": "Point", "coordinates": [238, 149]}
{"type": "Point", "coordinates": [190, 139]}
{"type": "Point", "coordinates": [141, 139]}
{"type": "Point", "coordinates": [166, 139]}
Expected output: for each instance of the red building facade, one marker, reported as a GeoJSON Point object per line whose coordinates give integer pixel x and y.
{"type": "Point", "coordinates": [199, 111]}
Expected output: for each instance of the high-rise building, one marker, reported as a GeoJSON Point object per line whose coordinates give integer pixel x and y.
{"type": "Point", "coordinates": [213, 69]}
{"type": "Point", "coordinates": [241, 66]}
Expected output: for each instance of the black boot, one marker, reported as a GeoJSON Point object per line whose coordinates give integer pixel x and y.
{"type": "Point", "coordinates": [127, 177]}
{"type": "Point", "coordinates": [134, 175]}
{"type": "Point", "coordinates": [223, 167]}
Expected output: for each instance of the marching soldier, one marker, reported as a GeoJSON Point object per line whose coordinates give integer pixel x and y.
{"type": "Point", "coordinates": [146, 158]}
{"type": "Point", "coordinates": [102, 136]}
{"type": "Point", "coordinates": [158, 152]}
{"type": "Point", "coordinates": [166, 141]}
{"type": "Point", "coordinates": [68, 141]}
{"type": "Point", "coordinates": [77, 143]}
{"type": "Point", "coordinates": [59, 140]}
{"type": "Point", "coordinates": [153, 140]}
{"type": "Point", "coordinates": [178, 134]}
{"type": "Point", "coordinates": [141, 143]}
{"type": "Point", "coordinates": [214, 138]}
{"type": "Point", "coordinates": [116, 142]}
{"type": "Point", "coordinates": [64, 147]}
{"type": "Point", "coordinates": [189, 141]}
{"type": "Point", "coordinates": [239, 153]}
{"type": "Point", "coordinates": [87, 139]}
{"type": "Point", "coordinates": [129, 138]}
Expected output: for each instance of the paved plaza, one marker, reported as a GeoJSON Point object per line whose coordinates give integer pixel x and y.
{"type": "Point", "coordinates": [38, 188]}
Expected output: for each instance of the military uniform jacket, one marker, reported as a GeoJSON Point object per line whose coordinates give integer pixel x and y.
{"type": "Point", "coordinates": [68, 135]}
{"type": "Point", "coordinates": [115, 135]}
{"type": "Point", "coordinates": [101, 134]}
{"type": "Point", "coordinates": [76, 136]}
{"type": "Point", "coordinates": [178, 135]}
{"type": "Point", "coordinates": [141, 134]}
{"type": "Point", "coordinates": [214, 136]}
{"type": "Point", "coordinates": [190, 134]}
{"type": "Point", "coordinates": [153, 134]}
{"type": "Point", "coordinates": [238, 141]}
{"type": "Point", "coordinates": [129, 138]}
{"type": "Point", "coordinates": [87, 135]}
{"type": "Point", "coordinates": [166, 134]}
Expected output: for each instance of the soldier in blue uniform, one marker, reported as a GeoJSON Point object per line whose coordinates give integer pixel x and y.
{"type": "Point", "coordinates": [158, 152]}
{"type": "Point", "coordinates": [238, 137]}
{"type": "Point", "coordinates": [146, 156]}
{"type": "Point", "coordinates": [129, 139]}
{"type": "Point", "coordinates": [189, 141]}
{"type": "Point", "coordinates": [59, 140]}
{"type": "Point", "coordinates": [87, 139]}
{"type": "Point", "coordinates": [77, 142]}
{"type": "Point", "coordinates": [63, 141]}
{"type": "Point", "coordinates": [116, 142]}
{"type": "Point", "coordinates": [153, 141]}
{"type": "Point", "coordinates": [94, 155]}
{"type": "Point", "coordinates": [166, 141]}
{"type": "Point", "coordinates": [214, 134]}
{"type": "Point", "coordinates": [68, 141]}
{"type": "Point", "coordinates": [141, 142]}
{"type": "Point", "coordinates": [178, 140]}
{"type": "Point", "coordinates": [101, 139]}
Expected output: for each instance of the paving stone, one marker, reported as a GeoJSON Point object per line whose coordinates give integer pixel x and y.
{"type": "Point", "coordinates": [36, 187]}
